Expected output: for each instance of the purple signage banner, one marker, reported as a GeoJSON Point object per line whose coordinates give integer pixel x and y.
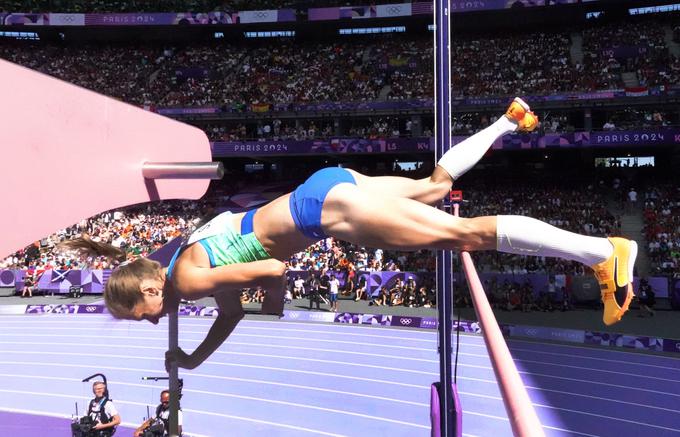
{"type": "Point", "coordinates": [148, 18]}
{"type": "Point", "coordinates": [335, 145]}
{"type": "Point", "coordinates": [653, 344]}
{"type": "Point", "coordinates": [198, 311]}
{"type": "Point", "coordinates": [635, 138]}
{"type": "Point", "coordinates": [624, 52]}
{"type": "Point", "coordinates": [52, 309]}
{"type": "Point", "coordinates": [422, 8]}
{"type": "Point", "coordinates": [59, 281]}
{"type": "Point", "coordinates": [21, 19]}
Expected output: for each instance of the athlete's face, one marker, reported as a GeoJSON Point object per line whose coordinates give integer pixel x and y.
{"type": "Point", "coordinates": [151, 308]}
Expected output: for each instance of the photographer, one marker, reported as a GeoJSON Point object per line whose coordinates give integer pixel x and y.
{"type": "Point", "coordinates": [158, 425]}
{"type": "Point", "coordinates": [102, 416]}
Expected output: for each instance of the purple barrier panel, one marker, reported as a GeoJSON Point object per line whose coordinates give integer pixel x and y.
{"type": "Point", "coordinates": [30, 19]}
{"type": "Point", "coordinates": [406, 322]}
{"type": "Point", "coordinates": [376, 319]}
{"type": "Point", "coordinates": [350, 318]}
{"type": "Point", "coordinates": [93, 281]}
{"type": "Point", "coordinates": [286, 15]}
{"type": "Point", "coordinates": [7, 278]}
{"type": "Point", "coordinates": [675, 294]}
{"type": "Point", "coordinates": [653, 344]}
{"type": "Point", "coordinates": [198, 311]}
{"type": "Point", "coordinates": [660, 286]}
{"type": "Point", "coordinates": [467, 326]}
{"type": "Point", "coordinates": [318, 14]}
{"type": "Point", "coordinates": [92, 309]}
{"type": "Point", "coordinates": [545, 333]}
{"type": "Point", "coordinates": [52, 309]}
{"type": "Point", "coordinates": [429, 323]}
{"type": "Point", "coordinates": [671, 345]}
{"type": "Point", "coordinates": [308, 316]}
{"type": "Point", "coordinates": [264, 16]}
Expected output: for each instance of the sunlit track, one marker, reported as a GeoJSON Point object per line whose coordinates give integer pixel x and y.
{"type": "Point", "coordinates": [293, 378]}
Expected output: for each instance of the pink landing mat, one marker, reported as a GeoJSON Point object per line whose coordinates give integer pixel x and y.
{"type": "Point", "coordinates": [67, 153]}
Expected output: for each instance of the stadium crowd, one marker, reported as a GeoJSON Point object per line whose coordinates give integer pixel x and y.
{"type": "Point", "coordinates": [260, 75]}
{"type": "Point", "coordinates": [137, 230]}
{"type": "Point", "coordinates": [662, 228]}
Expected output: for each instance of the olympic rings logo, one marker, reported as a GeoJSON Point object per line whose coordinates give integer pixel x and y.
{"type": "Point", "coordinates": [393, 10]}
{"type": "Point", "coordinates": [90, 309]}
{"type": "Point", "coordinates": [405, 321]}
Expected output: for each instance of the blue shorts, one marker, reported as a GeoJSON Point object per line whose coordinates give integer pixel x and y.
{"type": "Point", "coordinates": [333, 297]}
{"type": "Point", "coordinates": [307, 199]}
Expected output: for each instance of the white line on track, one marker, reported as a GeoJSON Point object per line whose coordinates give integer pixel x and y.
{"type": "Point", "coordinates": [619, 360]}
{"type": "Point", "coordinates": [593, 369]}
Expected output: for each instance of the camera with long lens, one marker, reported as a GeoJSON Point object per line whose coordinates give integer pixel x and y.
{"type": "Point", "coordinates": [83, 427]}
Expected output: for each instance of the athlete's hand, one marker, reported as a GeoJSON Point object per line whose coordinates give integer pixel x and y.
{"type": "Point", "coordinates": [182, 359]}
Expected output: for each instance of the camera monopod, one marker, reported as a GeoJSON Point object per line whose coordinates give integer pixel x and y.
{"type": "Point", "coordinates": [106, 390]}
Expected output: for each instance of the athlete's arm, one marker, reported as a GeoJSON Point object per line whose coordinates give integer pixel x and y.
{"type": "Point", "coordinates": [230, 313]}
{"type": "Point", "coordinates": [193, 282]}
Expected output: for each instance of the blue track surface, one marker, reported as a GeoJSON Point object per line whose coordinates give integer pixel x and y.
{"type": "Point", "coordinates": [296, 379]}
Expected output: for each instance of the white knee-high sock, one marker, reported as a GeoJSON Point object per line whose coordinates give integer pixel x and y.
{"type": "Point", "coordinates": [528, 236]}
{"type": "Point", "coordinates": [464, 155]}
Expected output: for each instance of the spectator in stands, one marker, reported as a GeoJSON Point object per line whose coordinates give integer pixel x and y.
{"type": "Point", "coordinates": [646, 298]}
{"type": "Point", "coordinates": [333, 291]}
{"type": "Point", "coordinates": [382, 298]}
{"type": "Point", "coordinates": [298, 287]}
{"type": "Point", "coordinates": [29, 282]}
{"type": "Point", "coordinates": [361, 289]}
{"type": "Point", "coordinates": [313, 291]}
{"type": "Point", "coordinates": [632, 200]}
{"type": "Point", "coordinates": [566, 300]}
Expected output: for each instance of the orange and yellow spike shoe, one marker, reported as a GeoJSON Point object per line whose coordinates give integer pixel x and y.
{"type": "Point", "coordinates": [615, 276]}
{"type": "Point", "coordinates": [520, 113]}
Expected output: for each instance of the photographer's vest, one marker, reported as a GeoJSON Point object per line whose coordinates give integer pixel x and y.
{"type": "Point", "coordinates": [166, 422]}
{"type": "Point", "coordinates": [103, 418]}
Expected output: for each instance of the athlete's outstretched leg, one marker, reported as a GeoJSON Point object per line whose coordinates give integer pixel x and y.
{"type": "Point", "coordinates": [362, 217]}
{"type": "Point", "coordinates": [454, 163]}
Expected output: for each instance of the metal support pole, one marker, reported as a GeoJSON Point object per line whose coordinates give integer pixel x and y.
{"type": "Point", "coordinates": [178, 170]}
{"type": "Point", "coordinates": [173, 344]}
{"type": "Point", "coordinates": [444, 257]}
{"type": "Point", "coordinates": [183, 170]}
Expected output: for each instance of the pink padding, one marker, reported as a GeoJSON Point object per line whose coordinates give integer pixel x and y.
{"type": "Point", "coordinates": [520, 410]}
{"type": "Point", "coordinates": [67, 154]}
